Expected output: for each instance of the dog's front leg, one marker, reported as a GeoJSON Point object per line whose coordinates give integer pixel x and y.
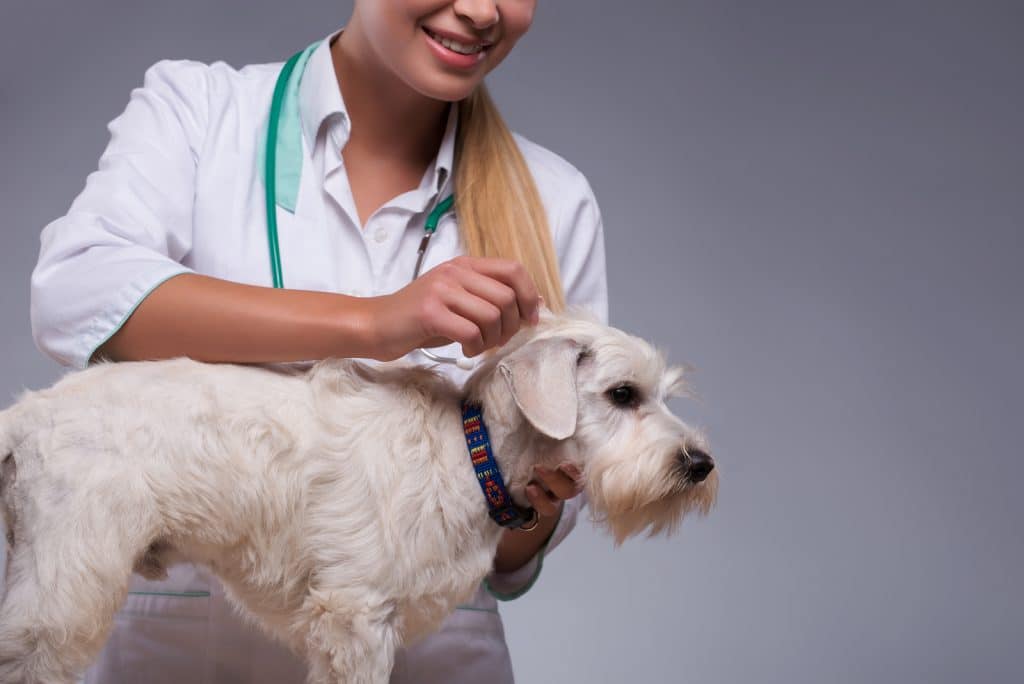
{"type": "Point", "coordinates": [349, 640]}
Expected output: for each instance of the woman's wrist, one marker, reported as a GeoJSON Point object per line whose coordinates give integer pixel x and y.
{"type": "Point", "coordinates": [356, 327]}
{"type": "Point", "coordinates": [373, 326]}
{"type": "Point", "coordinates": [517, 547]}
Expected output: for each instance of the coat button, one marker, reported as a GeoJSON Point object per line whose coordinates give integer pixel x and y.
{"type": "Point", "coordinates": [380, 235]}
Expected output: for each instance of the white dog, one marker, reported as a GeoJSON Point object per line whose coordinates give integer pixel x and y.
{"type": "Point", "coordinates": [338, 505]}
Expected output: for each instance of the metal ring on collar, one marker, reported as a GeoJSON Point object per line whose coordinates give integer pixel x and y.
{"type": "Point", "coordinates": [531, 524]}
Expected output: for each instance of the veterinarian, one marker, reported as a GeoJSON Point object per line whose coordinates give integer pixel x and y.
{"type": "Point", "coordinates": [169, 251]}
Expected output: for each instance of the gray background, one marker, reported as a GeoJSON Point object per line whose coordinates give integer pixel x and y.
{"type": "Point", "coordinates": [818, 204]}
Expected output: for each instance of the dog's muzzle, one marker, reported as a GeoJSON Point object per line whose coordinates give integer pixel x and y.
{"type": "Point", "coordinates": [696, 464]}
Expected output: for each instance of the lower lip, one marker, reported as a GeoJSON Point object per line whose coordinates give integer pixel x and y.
{"type": "Point", "coordinates": [452, 58]}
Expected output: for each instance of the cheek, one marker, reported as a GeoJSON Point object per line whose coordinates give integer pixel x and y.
{"type": "Point", "coordinates": [392, 30]}
{"type": "Point", "coordinates": [389, 25]}
{"type": "Point", "coordinates": [601, 425]}
{"type": "Point", "coordinates": [517, 16]}
{"type": "Point", "coordinates": [516, 19]}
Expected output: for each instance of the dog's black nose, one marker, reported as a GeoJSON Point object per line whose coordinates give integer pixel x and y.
{"type": "Point", "coordinates": [699, 465]}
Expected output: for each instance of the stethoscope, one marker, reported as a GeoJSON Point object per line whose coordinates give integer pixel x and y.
{"type": "Point", "coordinates": [286, 96]}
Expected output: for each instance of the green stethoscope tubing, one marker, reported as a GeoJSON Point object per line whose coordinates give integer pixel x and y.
{"type": "Point", "coordinates": [270, 183]}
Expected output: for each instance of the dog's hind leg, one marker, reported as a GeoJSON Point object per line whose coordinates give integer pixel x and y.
{"type": "Point", "coordinates": [16, 611]}
{"type": "Point", "coordinates": [67, 578]}
{"type": "Point", "coordinates": [349, 641]}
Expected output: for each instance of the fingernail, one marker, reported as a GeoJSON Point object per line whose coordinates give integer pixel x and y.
{"type": "Point", "coordinates": [571, 470]}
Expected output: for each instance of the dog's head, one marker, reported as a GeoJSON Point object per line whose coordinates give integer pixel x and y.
{"type": "Point", "coordinates": [573, 390]}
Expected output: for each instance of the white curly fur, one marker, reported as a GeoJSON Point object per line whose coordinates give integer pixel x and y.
{"type": "Point", "coordinates": [337, 504]}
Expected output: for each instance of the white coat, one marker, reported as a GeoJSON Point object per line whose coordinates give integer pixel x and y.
{"type": "Point", "coordinates": [179, 189]}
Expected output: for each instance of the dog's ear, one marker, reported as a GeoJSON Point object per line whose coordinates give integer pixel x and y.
{"type": "Point", "coordinates": [542, 378]}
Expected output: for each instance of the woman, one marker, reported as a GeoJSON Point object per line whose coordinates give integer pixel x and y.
{"type": "Point", "coordinates": [165, 253]}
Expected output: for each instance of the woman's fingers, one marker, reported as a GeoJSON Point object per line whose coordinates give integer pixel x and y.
{"type": "Point", "coordinates": [448, 325]}
{"type": "Point", "coordinates": [514, 275]}
{"type": "Point", "coordinates": [549, 488]}
{"type": "Point", "coordinates": [490, 293]}
{"type": "Point", "coordinates": [558, 482]}
{"type": "Point", "coordinates": [545, 504]}
{"type": "Point", "coordinates": [477, 302]}
{"type": "Point", "coordinates": [485, 316]}
{"type": "Point", "coordinates": [499, 295]}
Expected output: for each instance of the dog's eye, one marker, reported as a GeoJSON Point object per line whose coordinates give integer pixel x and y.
{"type": "Point", "coordinates": [624, 395]}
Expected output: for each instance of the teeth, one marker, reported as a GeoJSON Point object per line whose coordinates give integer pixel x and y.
{"type": "Point", "coordinates": [457, 47]}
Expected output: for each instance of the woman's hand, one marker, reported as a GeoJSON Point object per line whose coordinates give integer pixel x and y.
{"type": "Point", "coordinates": [476, 301]}
{"type": "Point", "coordinates": [550, 488]}
{"type": "Point", "coordinates": [547, 492]}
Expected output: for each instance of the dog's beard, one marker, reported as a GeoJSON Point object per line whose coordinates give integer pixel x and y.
{"type": "Point", "coordinates": [630, 497]}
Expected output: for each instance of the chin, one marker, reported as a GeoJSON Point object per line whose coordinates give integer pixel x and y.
{"type": "Point", "coordinates": [437, 84]}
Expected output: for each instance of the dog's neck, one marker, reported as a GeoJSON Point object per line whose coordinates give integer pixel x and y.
{"type": "Point", "coordinates": [516, 445]}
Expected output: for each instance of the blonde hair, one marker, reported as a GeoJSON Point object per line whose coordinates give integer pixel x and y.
{"type": "Point", "coordinates": [497, 202]}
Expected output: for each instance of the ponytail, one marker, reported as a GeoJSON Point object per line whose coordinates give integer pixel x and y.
{"type": "Point", "coordinates": [497, 202]}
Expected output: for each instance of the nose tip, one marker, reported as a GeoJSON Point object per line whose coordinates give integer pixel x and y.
{"type": "Point", "coordinates": [699, 465]}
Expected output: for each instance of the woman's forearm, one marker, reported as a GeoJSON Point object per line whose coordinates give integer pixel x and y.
{"type": "Point", "coordinates": [216, 320]}
{"type": "Point", "coordinates": [478, 302]}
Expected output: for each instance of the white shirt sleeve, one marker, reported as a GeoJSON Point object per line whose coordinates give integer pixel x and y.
{"type": "Point", "coordinates": [131, 226]}
{"type": "Point", "coordinates": [579, 241]}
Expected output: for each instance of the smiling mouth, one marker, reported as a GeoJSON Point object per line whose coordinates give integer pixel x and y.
{"type": "Point", "coordinates": [455, 46]}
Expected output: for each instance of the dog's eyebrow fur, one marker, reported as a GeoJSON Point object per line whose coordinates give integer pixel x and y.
{"type": "Point", "coordinates": [675, 383]}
